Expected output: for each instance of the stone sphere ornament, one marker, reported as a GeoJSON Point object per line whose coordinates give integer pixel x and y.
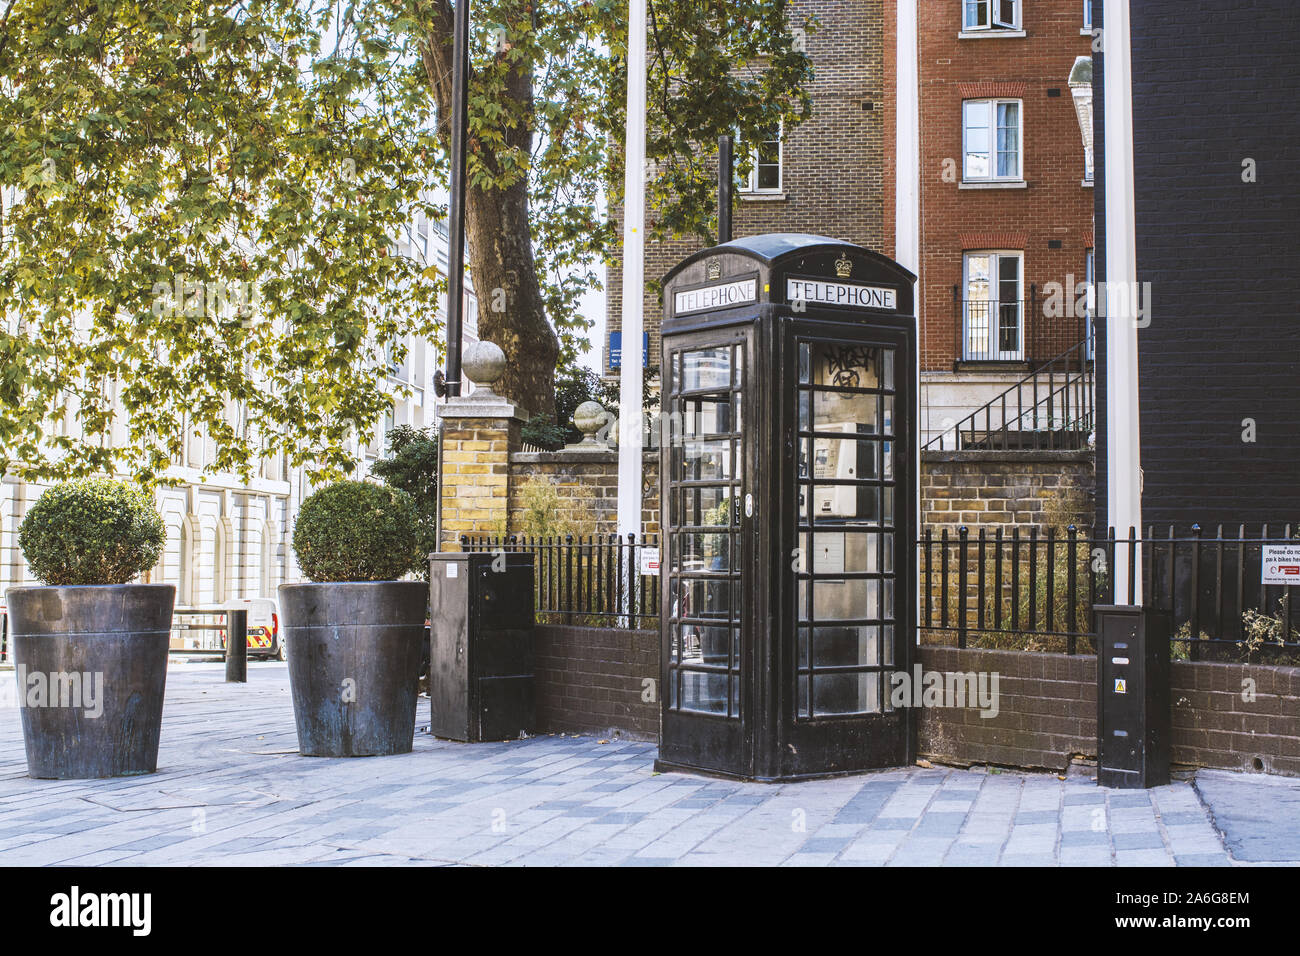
{"type": "Point", "coordinates": [589, 418]}
{"type": "Point", "coordinates": [483, 364]}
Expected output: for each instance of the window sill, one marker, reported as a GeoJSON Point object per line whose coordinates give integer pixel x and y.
{"type": "Point", "coordinates": [1085, 32]}
{"type": "Point", "coordinates": [988, 34]}
{"type": "Point", "coordinates": [761, 197]}
{"type": "Point", "coordinates": [1086, 183]}
{"type": "Point", "coordinates": [990, 365]}
{"type": "Point", "coordinates": [1011, 184]}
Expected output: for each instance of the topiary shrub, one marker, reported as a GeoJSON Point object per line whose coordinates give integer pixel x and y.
{"type": "Point", "coordinates": [357, 531]}
{"type": "Point", "coordinates": [92, 531]}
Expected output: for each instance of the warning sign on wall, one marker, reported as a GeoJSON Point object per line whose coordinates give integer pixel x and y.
{"type": "Point", "coordinates": [649, 560]}
{"type": "Point", "coordinates": [1281, 564]}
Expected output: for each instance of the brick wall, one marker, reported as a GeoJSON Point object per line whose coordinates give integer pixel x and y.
{"type": "Point", "coordinates": [476, 476]}
{"type": "Point", "coordinates": [586, 484]}
{"type": "Point", "coordinates": [1047, 710]}
{"type": "Point", "coordinates": [833, 164]}
{"type": "Point", "coordinates": [1223, 343]}
{"type": "Point", "coordinates": [1216, 726]}
{"type": "Point", "coordinates": [1048, 713]}
{"type": "Point", "coordinates": [594, 679]}
{"type": "Point", "coordinates": [1005, 489]}
{"type": "Point", "coordinates": [1052, 206]}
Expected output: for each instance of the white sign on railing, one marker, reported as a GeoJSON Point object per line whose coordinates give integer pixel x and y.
{"type": "Point", "coordinates": [649, 561]}
{"type": "Point", "coordinates": [1281, 564]}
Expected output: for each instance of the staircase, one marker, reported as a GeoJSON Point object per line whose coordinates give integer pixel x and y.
{"type": "Point", "coordinates": [1053, 408]}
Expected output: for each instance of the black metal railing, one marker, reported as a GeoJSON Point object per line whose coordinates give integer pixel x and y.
{"type": "Point", "coordinates": [1024, 589]}
{"type": "Point", "coordinates": [994, 331]}
{"type": "Point", "coordinates": [1214, 587]}
{"type": "Point", "coordinates": [1014, 330]}
{"type": "Point", "coordinates": [1035, 590]}
{"type": "Point", "coordinates": [1051, 409]}
{"type": "Point", "coordinates": [603, 580]}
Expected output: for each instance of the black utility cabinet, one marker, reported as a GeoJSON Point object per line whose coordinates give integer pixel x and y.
{"type": "Point", "coordinates": [1133, 705]}
{"type": "Point", "coordinates": [481, 654]}
{"type": "Point", "coordinates": [789, 487]}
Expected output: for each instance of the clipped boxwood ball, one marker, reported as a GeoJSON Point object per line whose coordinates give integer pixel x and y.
{"type": "Point", "coordinates": [92, 531]}
{"type": "Point", "coordinates": [357, 531]}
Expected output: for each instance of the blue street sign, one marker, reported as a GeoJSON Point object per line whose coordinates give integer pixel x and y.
{"type": "Point", "coordinates": [616, 350]}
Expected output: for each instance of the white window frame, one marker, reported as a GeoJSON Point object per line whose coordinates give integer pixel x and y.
{"type": "Point", "coordinates": [990, 351]}
{"type": "Point", "coordinates": [995, 11]}
{"type": "Point", "coordinates": [750, 185]}
{"type": "Point", "coordinates": [993, 177]}
{"type": "Point", "coordinates": [1087, 16]}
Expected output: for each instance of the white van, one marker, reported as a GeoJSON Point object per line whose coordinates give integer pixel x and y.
{"type": "Point", "coordinates": [202, 628]}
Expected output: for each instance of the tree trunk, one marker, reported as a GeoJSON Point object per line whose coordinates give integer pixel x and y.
{"type": "Point", "coordinates": [502, 267]}
{"type": "Point", "coordinates": [510, 308]}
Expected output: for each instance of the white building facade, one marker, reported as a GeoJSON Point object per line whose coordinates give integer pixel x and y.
{"type": "Point", "coordinates": [230, 540]}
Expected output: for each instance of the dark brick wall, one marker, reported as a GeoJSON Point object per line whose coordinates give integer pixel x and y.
{"type": "Point", "coordinates": [593, 678]}
{"type": "Point", "coordinates": [1221, 255]}
{"type": "Point", "coordinates": [1047, 710]}
{"type": "Point", "coordinates": [1048, 713]}
{"type": "Point", "coordinates": [1215, 725]}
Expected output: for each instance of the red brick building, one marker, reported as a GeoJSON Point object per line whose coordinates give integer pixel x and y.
{"type": "Point", "coordinates": [1005, 191]}
{"type": "Point", "coordinates": [825, 177]}
{"type": "Point", "coordinates": [1005, 186]}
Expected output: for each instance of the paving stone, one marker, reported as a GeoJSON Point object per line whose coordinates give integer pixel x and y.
{"type": "Point", "coordinates": [1077, 839]}
{"type": "Point", "coordinates": [1085, 856]}
{"type": "Point", "coordinates": [1028, 818]}
{"type": "Point", "coordinates": [824, 845]}
{"type": "Point", "coordinates": [1143, 858]}
{"type": "Point", "coordinates": [226, 796]}
{"type": "Point", "coordinates": [1138, 840]}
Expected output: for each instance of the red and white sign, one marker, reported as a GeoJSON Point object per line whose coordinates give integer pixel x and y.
{"type": "Point", "coordinates": [649, 560]}
{"type": "Point", "coordinates": [1281, 564]}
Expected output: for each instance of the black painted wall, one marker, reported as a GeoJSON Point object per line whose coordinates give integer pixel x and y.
{"type": "Point", "coordinates": [1214, 84]}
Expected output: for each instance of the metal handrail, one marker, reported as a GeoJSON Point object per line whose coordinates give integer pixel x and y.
{"type": "Point", "coordinates": [1056, 399]}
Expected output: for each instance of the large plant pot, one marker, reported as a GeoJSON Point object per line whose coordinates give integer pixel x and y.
{"type": "Point", "coordinates": [91, 666]}
{"type": "Point", "coordinates": [354, 665]}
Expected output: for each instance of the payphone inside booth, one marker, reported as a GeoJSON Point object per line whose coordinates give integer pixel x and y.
{"type": "Point", "coordinates": [789, 509]}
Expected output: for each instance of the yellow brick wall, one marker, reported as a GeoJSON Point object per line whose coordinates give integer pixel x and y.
{"type": "Point", "coordinates": [476, 477]}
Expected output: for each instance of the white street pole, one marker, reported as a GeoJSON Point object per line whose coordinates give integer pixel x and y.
{"type": "Point", "coordinates": [1123, 454]}
{"type": "Point", "coordinates": [630, 492]}
{"type": "Point", "coordinates": [907, 146]}
{"type": "Point", "coordinates": [907, 199]}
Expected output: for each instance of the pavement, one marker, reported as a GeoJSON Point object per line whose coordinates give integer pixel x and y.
{"type": "Point", "coordinates": [232, 790]}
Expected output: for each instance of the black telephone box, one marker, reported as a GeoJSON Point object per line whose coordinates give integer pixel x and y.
{"type": "Point", "coordinates": [789, 496]}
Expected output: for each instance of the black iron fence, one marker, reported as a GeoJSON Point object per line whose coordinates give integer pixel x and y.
{"type": "Point", "coordinates": [1022, 589]}
{"type": "Point", "coordinates": [1035, 589]}
{"type": "Point", "coordinates": [587, 579]}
